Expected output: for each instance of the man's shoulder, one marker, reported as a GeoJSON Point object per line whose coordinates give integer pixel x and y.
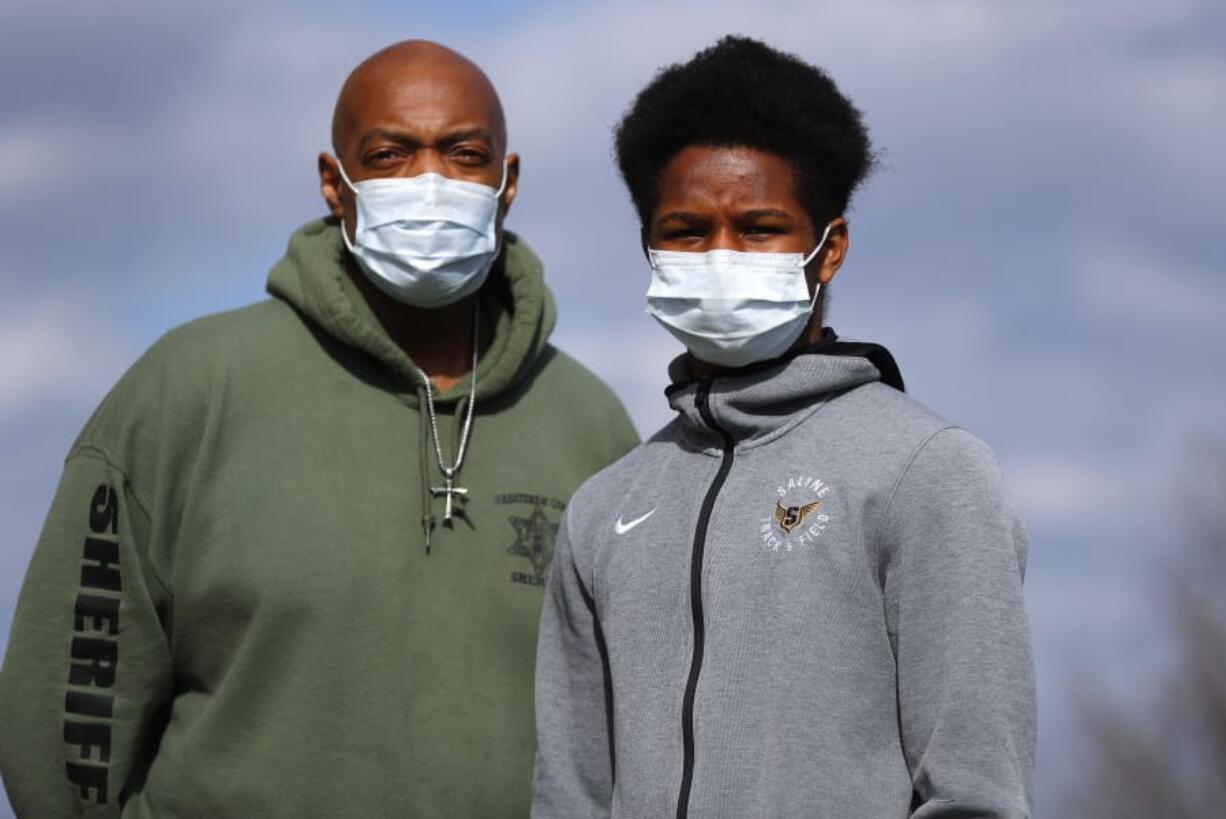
{"type": "Point", "coordinates": [181, 371]}
{"type": "Point", "coordinates": [214, 337]}
{"type": "Point", "coordinates": [194, 347]}
{"type": "Point", "coordinates": [562, 371]}
{"type": "Point", "coordinates": [580, 401]}
{"type": "Point", "coordinates": [634, 473]}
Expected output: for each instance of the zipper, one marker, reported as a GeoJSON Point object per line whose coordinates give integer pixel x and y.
{"type": "Point", "coordinates": [696, 612]}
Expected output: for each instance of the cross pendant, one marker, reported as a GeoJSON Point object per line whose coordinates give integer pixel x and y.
{"type": "Point", "coordinates": [450, 491]}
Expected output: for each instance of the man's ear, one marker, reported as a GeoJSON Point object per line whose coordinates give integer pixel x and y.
{"type": "Point", "coordinates": [830, 259]}
{"type": "Point", "coordinates": [512, 186]}
{"type": "Point", "coordinates": [331, 185]}
{"type": "Point", "coordinates": [645, 241]}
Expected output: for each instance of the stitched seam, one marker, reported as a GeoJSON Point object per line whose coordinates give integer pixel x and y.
{"type": "Point", "coordinates": [694, 442]}
{"type": "Point", "coordinates": [885, 512]}
{"type": "Point", "coordinates": [602, 648]}
{"type": "Point", "coordinates": [88, 450]}
{"type": "Point", "coordinates": [788, 427]}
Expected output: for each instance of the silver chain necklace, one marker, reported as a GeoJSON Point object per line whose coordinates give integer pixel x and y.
{"type": "Point", "coordinates": [449, 490]}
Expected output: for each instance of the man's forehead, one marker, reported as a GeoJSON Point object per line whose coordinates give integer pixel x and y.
{"type": "Point", "coordinates": [426, 95]}
{"type": "Point", "coordinates": [429, 101]}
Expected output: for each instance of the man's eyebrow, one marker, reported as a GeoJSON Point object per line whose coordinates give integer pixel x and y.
{"type": "Point", "coordinates": [399, 137]}
{"type": "Point", "coordinates": [466, 134]}
{"type": "Point", "coordinates": [410, 141]}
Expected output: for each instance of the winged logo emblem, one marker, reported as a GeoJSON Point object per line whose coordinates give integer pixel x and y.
{"type": "Point", "coordinates": [789, 517]}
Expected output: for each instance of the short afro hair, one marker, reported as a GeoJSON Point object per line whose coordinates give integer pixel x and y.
{"type": "Point", "coordinates": [743, 93]}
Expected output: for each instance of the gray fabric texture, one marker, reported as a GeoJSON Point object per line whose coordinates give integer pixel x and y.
{"type": "Point", "coordinates": [873, 660]}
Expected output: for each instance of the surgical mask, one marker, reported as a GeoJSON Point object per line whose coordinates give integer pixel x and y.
{"type": "Point", "coordinates": [732, 308]}
{"type": "Point", "coordinates": [425, 240]}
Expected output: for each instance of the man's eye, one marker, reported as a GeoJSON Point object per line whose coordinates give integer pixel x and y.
{"type": "Point", "coordinates": [383, 155]}
{"type": "Point", "coordinates": [469, 156]}
{"type": "Point", "coordinates": [765, 230]}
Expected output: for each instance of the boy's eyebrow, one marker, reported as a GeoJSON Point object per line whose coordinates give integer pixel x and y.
{"type": "Point", "coordinates": [684, 216]}
{"type": "Point", "coordinates": [760, 213]}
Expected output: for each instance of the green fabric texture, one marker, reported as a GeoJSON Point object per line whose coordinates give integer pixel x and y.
{"type": "Point", "coordinates": [231, 610]}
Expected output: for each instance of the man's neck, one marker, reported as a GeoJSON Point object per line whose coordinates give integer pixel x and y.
{"type": "Point", "coordinates": [440, 340]}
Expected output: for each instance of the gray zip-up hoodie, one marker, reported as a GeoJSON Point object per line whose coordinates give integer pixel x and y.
{"type": "Point", "coordinates": [801, 598]}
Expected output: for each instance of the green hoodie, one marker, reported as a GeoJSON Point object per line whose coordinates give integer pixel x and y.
{"type": "Point", "coordinates": [231, 611]}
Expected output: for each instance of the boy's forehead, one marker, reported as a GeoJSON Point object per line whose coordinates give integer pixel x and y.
{"type": "Point", "coordinates": [721, 171]}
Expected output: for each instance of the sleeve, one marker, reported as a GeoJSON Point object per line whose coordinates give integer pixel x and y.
{"type": "Point", "coordinates": [574, 761]}
{"type": "Point", "coordinates": [954, 557]}
{"type": "Point", "coordinates": [625, 436]}
{"type": "Point", "coordinates": [88, 660]}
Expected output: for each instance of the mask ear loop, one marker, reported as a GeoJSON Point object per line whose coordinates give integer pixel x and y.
{"type": "Point", "coordinates": [506, 163]}
{"type": "Point", "coordinates": [817, 286]}
{"type": "Point", "coordinates": [652, 260]}
{"type": "Point", "coordinates": [344, 235]}
{"type": "Point", "coordinates": [502, 186]}
{"type": "Point", "coordinates": [340, 167]}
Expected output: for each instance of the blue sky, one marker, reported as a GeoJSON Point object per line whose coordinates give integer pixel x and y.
{"type": "Point", "coordinates": [1042, 247]}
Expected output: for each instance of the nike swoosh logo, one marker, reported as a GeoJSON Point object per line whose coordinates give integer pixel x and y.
{"type": "Point", "coordinates": [622, 528]}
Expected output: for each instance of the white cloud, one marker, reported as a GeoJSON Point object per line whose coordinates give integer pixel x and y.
{"type": "Point", "coordinates": [1081, 607]}
{"type": "Point", "coordinates": [38, 158]}
{"type": "Point", "coordinates": [56, 351]}
{"type": "Point", "coordinates": [1176, 102]}
{"type": "Point", "coordinates": [587, 64]}
{"type": "Point", "coordinates": [1055, 489]}
{"type": "Point", "coordinates": [1129, 283]}
{"type": "Point", "coordinates": [632, 358]}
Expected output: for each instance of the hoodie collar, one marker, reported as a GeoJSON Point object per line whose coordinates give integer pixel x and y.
{"type": "Point", "coordinates": [311, 277]}
{"type": "Point", "coordinates": [759, 403]}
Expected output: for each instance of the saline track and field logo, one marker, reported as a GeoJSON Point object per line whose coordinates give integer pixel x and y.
{"type": "Point", "coordinates": [797, 518]}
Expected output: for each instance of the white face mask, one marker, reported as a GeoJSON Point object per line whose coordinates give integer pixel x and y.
{"type": "Point", "coordinates": [425, 240]}
{"type": "Point", "coordinates": [731, 308]}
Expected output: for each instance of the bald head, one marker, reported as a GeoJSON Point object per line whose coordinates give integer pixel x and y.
{"type": "Point", "coordinates": [421, 75]}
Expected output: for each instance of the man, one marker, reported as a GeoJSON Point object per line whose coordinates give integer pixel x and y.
{"type": "Point", "coordinates": [802, 597]}
{"type": "Point", "coordinates": [295, 563]}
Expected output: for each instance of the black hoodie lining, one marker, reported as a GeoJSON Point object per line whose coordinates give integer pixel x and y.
{"type": "Point", "coordinates": [603, 649]}
{"type": "Point", "coordinates": [829, 344]}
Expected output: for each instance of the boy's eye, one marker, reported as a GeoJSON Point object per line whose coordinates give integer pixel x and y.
{"type": "Point", "coordinates": [682, 233]}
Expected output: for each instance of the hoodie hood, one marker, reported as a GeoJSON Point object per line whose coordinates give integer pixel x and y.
{"type": "Point", "coordinates": [758, 403]}
{"type": "Point", "coordinates": [312, 278]}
